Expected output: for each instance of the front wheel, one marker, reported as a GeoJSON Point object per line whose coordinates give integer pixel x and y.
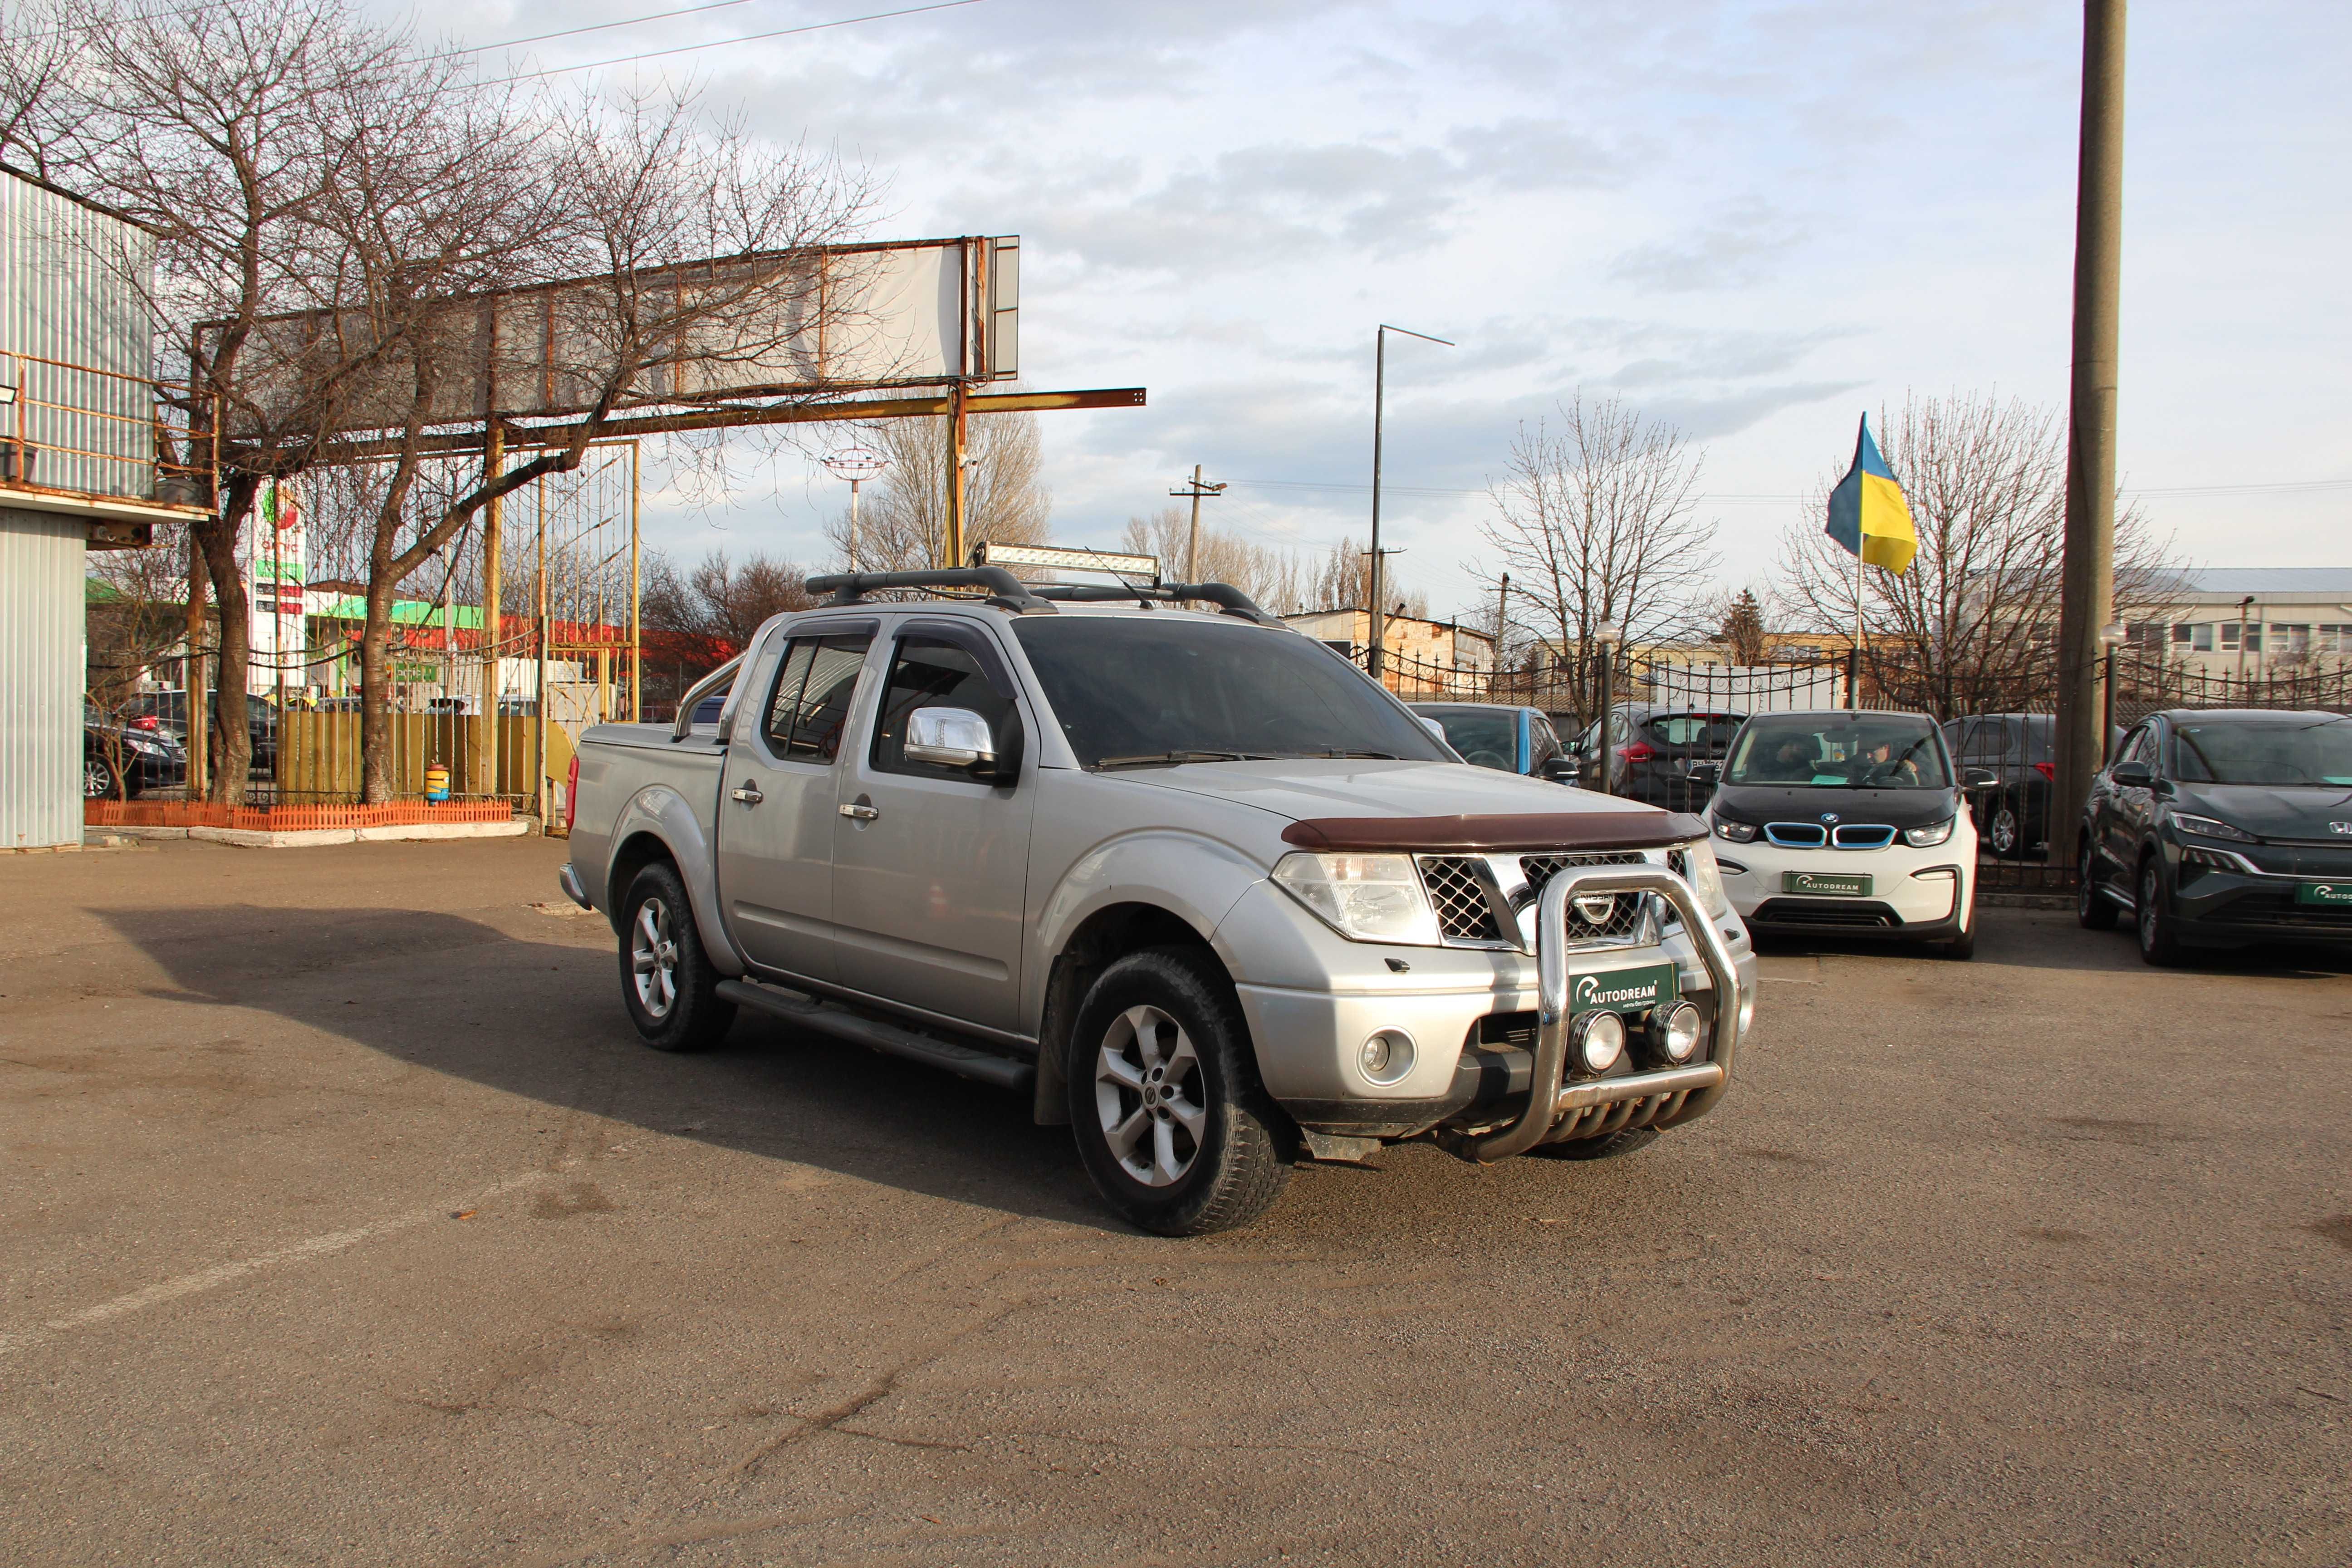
{"type": "Point", "coordinates": [2158, 944]}
{"type": "Point", "coordinates": [2005, 833]}
{"type": "Point", "coordinates": [1169, 1118]}
{"type": "Point", "coordinates": [667, 981]}
{"type": "Point", "coordinates": [96, 778]}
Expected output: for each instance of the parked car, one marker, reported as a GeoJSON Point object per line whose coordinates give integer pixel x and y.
{"type": "Point", "coordinates": [2221, 829]}
{"type": "Point", "coordinates": [1848, 822]}
{"type": "Point", "coordinates": [1184, 879]}
{"type": "Point", "coordinates": [170, 711]}
{"type": "Point", "coordinates": [1653, 747]}
{"type": "Point", "coordinates": [1509, 740]}
{"type": "Point", "coordinates": [2021, 751]}
{"type": "Point", "coordinates": [124, 759]}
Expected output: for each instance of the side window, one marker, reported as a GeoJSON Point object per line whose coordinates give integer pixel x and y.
{"type": "Point", "coordinates": [2140, 747]}
{"type": "Point", "coordinates": [927, 672]}
{"type": "Point", "coordinates": [1543, 741]}
{"type": "Point", "coordinates": [810, 705]}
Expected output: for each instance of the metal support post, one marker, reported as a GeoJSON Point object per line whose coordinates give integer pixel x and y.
{"type": "Point", "coordinates": [484, 773]}
{"type": "Point", "coordinates": [198, 581]}
{"type": "Point", "coordinates": [956, 519]}
{"type": "Point", "coordinates": [636, 599]}
{"type": "Point", "coordinates": [1608, 701]}
{"type": "Point", "coordinates": [2087, 593]}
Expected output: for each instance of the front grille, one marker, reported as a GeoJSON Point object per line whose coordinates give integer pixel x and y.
{"type": "Point", "coordinates": [1625, 910]}
{"type": "Point", "coordinates": [2265, 907]}
{"type": "Point", "coordinates": [1863, 835]}
{"type": "Point", "coordinates": [1796, 835]}
{"type": "Point", "coordinates": [1455, 887]}
{"type": "Point", "coordinates": [1831, 912]}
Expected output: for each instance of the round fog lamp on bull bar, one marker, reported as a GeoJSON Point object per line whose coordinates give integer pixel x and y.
{"type": "Point", "coordinates": [1600, 1040]}
{"type": "Point", "coordinates": [1387, 1056]}
{"type": "Point", "coordinates": [1678, 1032]}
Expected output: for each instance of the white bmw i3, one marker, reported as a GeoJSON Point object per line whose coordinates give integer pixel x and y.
{"type": "Point", "coordinates": [1847, 822]}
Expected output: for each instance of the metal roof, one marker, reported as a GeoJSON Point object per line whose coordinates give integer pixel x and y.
{"type": "Point", "coordinates": [2267, 580]}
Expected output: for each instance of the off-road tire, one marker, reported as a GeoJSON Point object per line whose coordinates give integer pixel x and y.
{"type": "Point", "coordinates": [1608, 1146]}
{"type": "Point", "coordinates": [2160, 942]}
{"type": "Point", "coordinates": [1241, 1157]}
{"type": "Point", "coordinates": [2093, 911]}
{"type": "Point", "coordinates": [697, 1017]}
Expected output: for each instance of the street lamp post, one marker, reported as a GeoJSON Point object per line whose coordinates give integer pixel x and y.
{"type": "Point", "coordinates": [858, 465]}
{"type": "Point", "coordinates": [1379, 660]}
{"type": "Point", "coordinates": [1606, 634]}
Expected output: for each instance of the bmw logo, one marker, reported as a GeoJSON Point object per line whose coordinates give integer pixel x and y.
{"type": "Point", "coordinates": [1829, 816]}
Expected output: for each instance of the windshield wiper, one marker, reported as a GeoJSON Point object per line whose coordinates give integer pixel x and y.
{"type": "Point", "coordinates": [1170, 758]}
{"type": "Point", "coordinates": [1339, 751]}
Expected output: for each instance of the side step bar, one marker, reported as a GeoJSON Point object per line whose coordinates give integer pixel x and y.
{"type": "Point", "coordinates": [889, 1038]}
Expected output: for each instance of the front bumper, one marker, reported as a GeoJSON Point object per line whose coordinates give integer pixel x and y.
{"type": "Point", "coordinates": [2231, 907]}
{"type": "Point", "coordinates": [1914, 894]}
{"type": "Point", "coordinates": [1473, 1017]}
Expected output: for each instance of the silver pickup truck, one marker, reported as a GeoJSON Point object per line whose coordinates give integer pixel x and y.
{"type": "Point", "coordinates": [1184, 877]}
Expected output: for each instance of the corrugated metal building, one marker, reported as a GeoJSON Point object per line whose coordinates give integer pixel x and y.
{"type": "Point", "coordinates": [77, 453]}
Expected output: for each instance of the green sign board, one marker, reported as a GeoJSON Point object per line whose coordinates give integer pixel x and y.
{"type": "Point", "coordinates": [1828, 884]}
{"type": "Point", "coordinates": [2328, 895]}
{"type": "Point", "coordinates": [1622, 990]}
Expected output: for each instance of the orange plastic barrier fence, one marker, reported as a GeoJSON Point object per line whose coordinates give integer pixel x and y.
{"type": "Point", "coordinates": [287, 818]}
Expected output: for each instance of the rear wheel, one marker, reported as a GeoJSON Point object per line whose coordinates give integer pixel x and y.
{"type": "Point", "coordinates": [2006, 832]}
{"type": "Point", "coordinates": [2160, 943]}
{"type": "Point", "coordinates": [1169, 1115]}
{"type": "Point", "coordinates": [2093, 912]}
{"type": "Point", "coordinates": [667, 981]}
{"type": "Point", "coordinates": [97, 777]}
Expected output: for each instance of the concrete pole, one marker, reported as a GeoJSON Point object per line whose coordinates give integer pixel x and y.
{"type": "Point", "coordinates": [1377, 660]}
{"type": "Point", "coordinates": [1193, 548]}
{"type": "Point", "coordinates": [956, 520]}
{"type": "Point", "coordinates": [2088, 582]}
{"type": "Point", "coordinates": [485, 769]}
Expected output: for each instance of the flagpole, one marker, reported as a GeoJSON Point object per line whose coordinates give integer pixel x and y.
{"type": "Point", "coordinates": [1854, 671]}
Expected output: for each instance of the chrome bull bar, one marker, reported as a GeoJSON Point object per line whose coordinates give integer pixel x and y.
{"type": "Point", "coordinates": [1549, 1097]}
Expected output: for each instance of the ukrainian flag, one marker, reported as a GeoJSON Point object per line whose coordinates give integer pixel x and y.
{"type": "Point", "coordinates": [1867, 513]}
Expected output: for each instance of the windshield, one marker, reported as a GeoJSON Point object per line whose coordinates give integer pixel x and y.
{"type": "Point", "coordinates": [1128, 686]}
{"type": "Point", "coordinates": [1853, 750]}
{"type": "Point", "coordinates": [2265, 751]}
{"type": "Point", "coordinates": [1486, 737]}
{"type": "Point", "coordinates": [1712, 731]}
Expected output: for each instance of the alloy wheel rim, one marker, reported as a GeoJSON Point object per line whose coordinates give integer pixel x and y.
{"type": "Point", "coordinates": [2004, 831]}
{"type": "Point", "coordinates": [95, 781]}
{"type": "Point", "coordinates": [653, 959]}
{"type": "Point", "coordinates": [1149, 1096]}
{"type": "Point", "coordinates": [2148, 892]}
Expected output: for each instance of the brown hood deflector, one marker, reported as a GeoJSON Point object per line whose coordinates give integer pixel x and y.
{"type": "Point", "coordinates": [1569, 830]}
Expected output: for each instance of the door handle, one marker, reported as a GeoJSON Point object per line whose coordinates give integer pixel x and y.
{"type": "Point", "coordinates": [746, 792]}
{"type": "Point", "coordinates": [862, 812]}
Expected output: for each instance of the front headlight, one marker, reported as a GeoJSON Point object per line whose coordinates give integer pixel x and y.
{"type": "Point", "coordinates": [1736, 832]}
{"type": "Point", "coordinates": [1927, 838]}
{"type": "Point", "coordinates": [1705, 876]}
{"type": "Point", "coordinates": [1365, 898]}
{"type": "Point", "coordinates": [2211, 827]}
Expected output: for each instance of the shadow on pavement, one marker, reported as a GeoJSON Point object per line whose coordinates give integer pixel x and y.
{"type": "Point", "coordinates": [2050, 939]}
{"type": "Point", "coordinates": [544, 1020]}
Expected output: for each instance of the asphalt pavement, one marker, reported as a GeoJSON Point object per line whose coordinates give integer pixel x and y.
{"type": "Point", "coordinates": [345, 1222]}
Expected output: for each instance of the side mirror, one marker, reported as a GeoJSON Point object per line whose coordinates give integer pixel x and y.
{"type": "Point", "coordinates": [1433, 726]}
{"type": "Point", "coordinates": [1707, 772]}
{"type": "Point", "coordinates": [1558, 770]}
{"type": "Point", "coordinates": [1979, 778]}
{"type": "Point", "coordinates": [948, 738]}
{"type": "Point", "coordinates": [2132, 775]}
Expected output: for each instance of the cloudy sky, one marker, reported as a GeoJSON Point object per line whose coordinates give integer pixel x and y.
{"type": "Point", "coordinates": [1754, 220]}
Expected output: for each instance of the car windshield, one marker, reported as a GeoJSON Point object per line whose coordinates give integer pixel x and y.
{"type": "Point", "coordinates": [1130, 689]}
{"type": "Point", "coordinates": [1849, 751]}
{"type": "Point", "coordinates": [1486, 737]}
{"type": "Point", "coordinates": [2265, 751]}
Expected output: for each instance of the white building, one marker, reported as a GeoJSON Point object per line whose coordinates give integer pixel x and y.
{"type": "Point", "coordinates": [2226, 620]}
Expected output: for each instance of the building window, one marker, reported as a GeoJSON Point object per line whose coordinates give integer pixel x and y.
{"type": "Point", "coordinates": [2253, 637]}
{"type": "Point", "coordinates": [2335, 638]}
{"type": "Point", "coordinates": [2192, 638]}
{"type": "Point", "coordinates": [2289, 638]}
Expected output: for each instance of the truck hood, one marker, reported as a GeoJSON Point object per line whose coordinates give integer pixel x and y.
{"type": "Point", "coordinates": [1312, 788]}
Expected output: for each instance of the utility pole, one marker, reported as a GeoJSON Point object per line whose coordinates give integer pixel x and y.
{"type": "Point", "coordinates": [1193, 548]}
{"type": "Point", "coordinates": [2086, 602]}
{"type": "Point", "coordinates": [1379, 401]}
{"type": "Point", "coordinates": [1502, 619]}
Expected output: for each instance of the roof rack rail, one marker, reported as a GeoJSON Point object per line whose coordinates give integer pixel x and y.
{"type": "Point", "coordinates": [1004, 590]}
{"type": "Point", "coordinates": [1228, 599]}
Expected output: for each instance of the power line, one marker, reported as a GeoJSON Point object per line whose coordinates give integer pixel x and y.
{"type": "Point", "coordinates": [593, 27]}
{"type": "Point", "coordinates": [716, 43]}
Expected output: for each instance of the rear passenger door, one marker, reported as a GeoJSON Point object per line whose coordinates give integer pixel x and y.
{"type": "Point", "coordinates": [930, 865]}
{"type": "Point", "coordinates": [777, 803]}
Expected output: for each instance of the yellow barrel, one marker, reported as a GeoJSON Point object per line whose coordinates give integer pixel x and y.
{"type": "Point", "coordinates": [436, 783]}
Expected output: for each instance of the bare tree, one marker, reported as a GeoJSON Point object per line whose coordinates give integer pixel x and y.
{"type": "Point", "coordinates": [1267, 575]}
{"type": "Point", "coordinates": [1342, 580]}
{"type": "Point", "coordinates": [902, 524]}
{"type": "Point", "coordinates": [718, 601]}
{"type": "Point", "coordinates": [1596, 522]}
{"type": "Point", "coordinates": [1970, 626]}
